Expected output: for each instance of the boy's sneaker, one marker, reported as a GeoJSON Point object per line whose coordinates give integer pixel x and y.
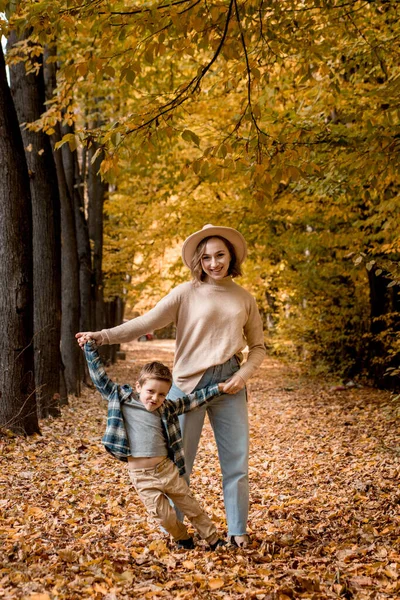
{"type": "Point", "coordinates": [186, 544]}
{"type": "Point", "coordinates": [217, 544]}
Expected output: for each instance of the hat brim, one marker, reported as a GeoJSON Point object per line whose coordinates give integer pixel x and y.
{"type": "Point", "coordinates": [232, 235]}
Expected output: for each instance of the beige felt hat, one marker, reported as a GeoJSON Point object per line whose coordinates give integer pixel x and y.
{"type": "Point", "coordinates": [230, 234]}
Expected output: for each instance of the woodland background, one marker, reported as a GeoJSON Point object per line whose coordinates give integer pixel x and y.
{"type": "Point", "coordinates": [125, 126]}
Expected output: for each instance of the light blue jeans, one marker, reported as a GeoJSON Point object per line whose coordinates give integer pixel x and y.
{"type": "Point", "coordinates": [229, 420]}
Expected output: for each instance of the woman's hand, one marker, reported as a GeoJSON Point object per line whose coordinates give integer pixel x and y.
{"type": "Point", "coordinates": [84, 336]}
{"type": "Point", "coordinates": [233, 385]}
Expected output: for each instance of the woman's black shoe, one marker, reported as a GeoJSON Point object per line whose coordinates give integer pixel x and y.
{"type": "Point", "coordinates": [186, 544]}
{"type": "Point", "coordinates": [217, 544]}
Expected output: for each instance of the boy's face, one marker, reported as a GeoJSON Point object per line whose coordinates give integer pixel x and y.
{"type": "Point", "coordinates": [153, 393]}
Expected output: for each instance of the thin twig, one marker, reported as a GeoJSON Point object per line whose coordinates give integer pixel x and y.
{"type": "Point", "coordinates": [249, 101]}
{"type": "Point", "coordinates": [193, 85]}
{"type": "Point", "coordinates": [143, 10]}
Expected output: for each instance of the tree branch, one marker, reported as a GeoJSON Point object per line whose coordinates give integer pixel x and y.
{"type": "Point", "coordinates": [143, 10]}
{"type": "Point", "coordinates": [193, 85]}
{"type": "Point", "coordinates": [249, 101]}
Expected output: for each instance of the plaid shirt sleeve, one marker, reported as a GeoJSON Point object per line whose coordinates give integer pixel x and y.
{"type": "Point", "coordinates": [191, 401]}
{"type": "Point", "coordinates": [115, 439]}
{"type": "Point", "coordinates": [103, 383]}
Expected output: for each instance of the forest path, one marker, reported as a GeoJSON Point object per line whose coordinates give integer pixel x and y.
{"type": "Point", "coordinates": [324, 516]}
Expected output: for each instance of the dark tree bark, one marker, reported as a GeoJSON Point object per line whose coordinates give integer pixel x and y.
{"type": "Point", "coordinates": [17, 386]}
{"type": "Point", "coordinates": [70, 305]}
{"type": "Point", "coordinates": [97, 190]}
{"type": "Point", "coordinates": [75, 187]}
{"type": "Point", "coordinates": [114, 314]}
{"type": "Point", "coordinates": [29, 97]}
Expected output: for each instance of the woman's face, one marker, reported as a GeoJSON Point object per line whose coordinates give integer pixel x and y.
{"type": "Point", "coordinates": [215, 260]}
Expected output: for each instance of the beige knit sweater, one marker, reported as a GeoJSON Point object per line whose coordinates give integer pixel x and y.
{"type": "Point", "coordinates": [213, 322]}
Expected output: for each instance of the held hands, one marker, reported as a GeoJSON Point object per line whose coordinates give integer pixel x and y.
{"type": "Point", "coordinates": [84, 336]}
{"type": "Point", "coordinates": [233, 385]}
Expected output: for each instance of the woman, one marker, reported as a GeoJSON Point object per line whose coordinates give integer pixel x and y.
{"type": "Point", "coordinates": [215, 319]}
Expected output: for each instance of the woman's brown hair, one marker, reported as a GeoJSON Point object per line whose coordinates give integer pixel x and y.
{"type": "Point", "coordinates": [195, 265]}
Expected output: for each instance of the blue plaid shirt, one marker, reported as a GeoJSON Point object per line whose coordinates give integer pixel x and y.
{"type": "Point", "coordinates": [115, 439]}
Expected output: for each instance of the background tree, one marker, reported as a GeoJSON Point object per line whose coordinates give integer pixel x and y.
{"type": "Point", "coordinates": [29, 97]}
{"type": "Point", "coordinates": [17, 389]}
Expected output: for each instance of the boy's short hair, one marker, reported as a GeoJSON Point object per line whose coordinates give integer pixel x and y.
{"type": "Point", "coordinates": [154, 370]}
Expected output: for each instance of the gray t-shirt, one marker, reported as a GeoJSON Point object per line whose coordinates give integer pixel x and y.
{"type": "Point", "coordinates": [144, 430]}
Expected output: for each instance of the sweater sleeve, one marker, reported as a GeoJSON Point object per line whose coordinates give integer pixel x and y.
{"type": "Point", "coordinates": [162, 314]}
{"type": "Point", "coordinates": [254, 335]}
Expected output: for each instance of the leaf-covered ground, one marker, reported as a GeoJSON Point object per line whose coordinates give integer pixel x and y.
{"type": "Point", "coordinates": [324, 516]}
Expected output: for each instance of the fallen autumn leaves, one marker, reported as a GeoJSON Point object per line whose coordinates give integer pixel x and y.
{"type": "Point", "coordinates": [324, 502]}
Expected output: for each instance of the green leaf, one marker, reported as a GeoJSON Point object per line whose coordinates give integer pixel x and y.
{"type": "Point", "coordinates": [67, 138]}
{"type": "Point", "coordinates": [116, 138]}
{"type": "Point", "coordinates": [190, 136]}
{"type": "Point", "coordinates": [95, 155]}
{"type": "Point", "coordinates": [129, 75]}
{"type": "Point", "coordinates": [109, 71]}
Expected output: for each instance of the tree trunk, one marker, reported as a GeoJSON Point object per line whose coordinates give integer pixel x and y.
{"type": "Point", "coordinates": [114, 314]}
{"type": "Point", "coordinates": [17, 385]}
{"type": "Point", "coordinates": [28, 94]}
{"type": "Point", "coordinates": [75, 187]}
{"type": "Point", "coordinates": [70, 304]}
{"type": "Point", "coordinates": [97, 190]}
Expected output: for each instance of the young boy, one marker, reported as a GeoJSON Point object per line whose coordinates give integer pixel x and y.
{"type": "Point", "coordinates": [143, 429]}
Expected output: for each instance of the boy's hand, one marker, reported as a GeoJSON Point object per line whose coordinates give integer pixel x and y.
{"type": "Point", "coordinates": [233, 385]}
{"type": "Point", "coordinates": [85, 336]}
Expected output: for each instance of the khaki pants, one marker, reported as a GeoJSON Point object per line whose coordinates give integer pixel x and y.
{"type": "Point", "coordinates": [154, 486]}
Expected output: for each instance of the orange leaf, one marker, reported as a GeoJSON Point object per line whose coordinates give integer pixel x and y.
{"type": "Point", "coordinates": [214, 584]}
